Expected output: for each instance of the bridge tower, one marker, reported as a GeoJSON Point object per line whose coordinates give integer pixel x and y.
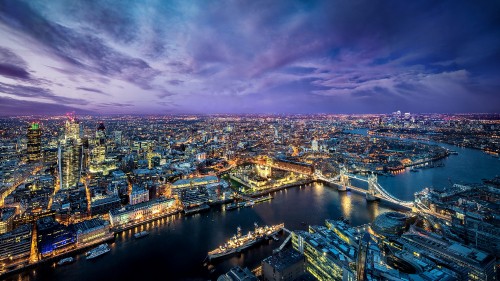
{"type": "Point", "coordinates": [372, 187]}
{"type": "Point", "coordinates": [344, 180]}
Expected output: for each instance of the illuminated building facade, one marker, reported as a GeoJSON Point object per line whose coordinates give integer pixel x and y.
{"type": "Point", "coordinates": [70, 155]}
{"type": "Point", "coordinates": [69, 158]}
{"type": "Point", "coordinates": [53, 236]}
{"type": "Point", "coordinates": [327, 257]}
{"type": "Point", "coordinates": [92, 230]}
{"type": "Point", "coordinates": [34, 142]}
{"type": "Point", "coordinates": [138, 195]}
{"type": "Point", "coordinates": [15, 244]}
{"type": "Point", "coordinates": [139, 212]}
{"type": "Point", "coordinates": [6, 219]}
{"type": "Point", "coordinates": [193, 182]}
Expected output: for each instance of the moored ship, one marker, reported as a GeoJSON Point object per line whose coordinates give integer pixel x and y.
{"type": "Point", "coordinates": [66, 261]}
{"type": "Point", "coordinates": [240, 242]}
{"type": "Point", "coordinates": [234, 205]}
{"type": "Point", "coordinates": [263, 199]}
{"type": "Point", "coordinates": [98, 251]}
{"type": "Point", "coordinates": [197, 209]}
{"type": "Point", "coordinates": [141, 234]}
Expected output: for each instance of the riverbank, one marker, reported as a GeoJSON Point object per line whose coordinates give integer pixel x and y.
{"type": "Point", "coordinates": [54, 258]}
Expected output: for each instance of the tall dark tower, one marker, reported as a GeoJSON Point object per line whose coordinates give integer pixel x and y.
{"type": "Point", "coordinates": [364, 243]}
{"type": "Point", "coordinates": [34, 142]}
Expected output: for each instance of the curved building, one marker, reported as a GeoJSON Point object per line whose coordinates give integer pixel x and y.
{"type": "Point", "coordinates": [390, 224]}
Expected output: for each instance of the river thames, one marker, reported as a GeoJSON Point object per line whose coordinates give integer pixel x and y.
{"type": "Point", "coordinates": [177, 246]}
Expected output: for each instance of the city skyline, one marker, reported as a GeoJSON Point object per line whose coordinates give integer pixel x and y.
{"type": "Point", "coordinates": [299, 57]}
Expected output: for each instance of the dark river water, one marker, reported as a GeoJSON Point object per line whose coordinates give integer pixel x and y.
{"type": "Point", "coordinates": [177, 246]}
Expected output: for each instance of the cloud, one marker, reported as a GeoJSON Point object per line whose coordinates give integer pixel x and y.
{"type": "Point", "coordinates": [279, 56]}
{"type": "Point", "coordinates": [38, 93]}
{"type": "Point", "coordinates": [10, 106]}
{"type": "Point", "coordinates": [92, 90]}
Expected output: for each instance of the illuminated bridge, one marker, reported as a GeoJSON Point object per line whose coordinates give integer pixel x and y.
{"type": "Point", "coordinates": [374, 192]}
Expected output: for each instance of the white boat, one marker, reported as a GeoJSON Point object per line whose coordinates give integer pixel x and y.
{"type": "Point", "coordinates": [101, 246]}
{"type": "Point", "coordinates": [66, 261]}
{"type": "Point", "coordinates": [98, 251]}
{"type": "Point", "coordinates": [249, 204]}
{"type": "Point", "coordinates": [141, 234]}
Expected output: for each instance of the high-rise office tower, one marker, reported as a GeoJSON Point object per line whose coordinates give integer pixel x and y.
{"type": "Point", "coordinates": [99, 149]}
{"type": "Point", "coordinates": [118, 137]}
{"type": "Point", "coordinates": [72, 128]}
{"type": "Point", "coordinates": [34, 142]}
{"type": "Point", "coordinates": [70, 155]}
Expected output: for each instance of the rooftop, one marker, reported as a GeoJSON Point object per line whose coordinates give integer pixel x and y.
{"type": "Point", "coordinates": [284, 259]}
{"type": "Point", "coordinates": [90, 224]}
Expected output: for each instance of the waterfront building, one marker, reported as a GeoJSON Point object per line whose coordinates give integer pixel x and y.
{"type": "Point", "coordinates": [53, 236]}
{"type": "Point", "coordinates": [238, 274]}
{"type": "Point", "coordinates": [6, 219]}
{"type": "Point", "coordinates": [341, 252]}
{"type": "Point", "coordinates": [345, 231]}
{"type": "Point", "coordinates": [390, 225]}
{"type": "Point", "coordinates": [140, 212]}
{"type": "Point", "coordinates": [327, 257]}
{"type": "Point", "coordinates": [92, 230]}
{"type": "Point", "coordinates": [286, 265]}
{"type": "Point", "coordinates": [34, 142]}
{"type": "Point", "coordinates": [15, 244]}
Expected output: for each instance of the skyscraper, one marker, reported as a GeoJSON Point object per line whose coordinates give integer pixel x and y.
{"type": "Point", "coordinates": [70, 155]}
{"type": "Point", "coordinates": [99, 149]}
{"type": "Point", "coordinates": [34, 142]}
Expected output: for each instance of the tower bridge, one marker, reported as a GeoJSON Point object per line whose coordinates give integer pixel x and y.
{"type": "Point", "coordinates": [374, 192]}
{"type": "Point", "coordinates": [343, 181]}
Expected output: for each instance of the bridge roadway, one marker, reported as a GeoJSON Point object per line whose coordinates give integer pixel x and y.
{"type": "Point", "coordinates": [380, 192]}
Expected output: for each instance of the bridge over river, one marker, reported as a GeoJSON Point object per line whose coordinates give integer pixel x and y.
{"type": "Point", "coordinates": [374, 192]}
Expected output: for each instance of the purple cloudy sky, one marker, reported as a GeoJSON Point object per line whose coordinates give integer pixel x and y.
{"type": "Point", "coordinates": [332, 56]}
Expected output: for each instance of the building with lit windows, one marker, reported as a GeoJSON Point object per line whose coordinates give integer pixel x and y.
{"type": "Point", "coordinates": [92, 230]}
{"type": "Point", "coordinates": [15, 244]}
{"type": "Point", "coordinates": [139, 212]}
{"type": "Point", "coordinates": [138, 195]}
{"type": "Point", "coordinates": [34, 145]}
{"type": "Point", "coordinates": [53, 236]}
{"type": "Point", "coordinates": [193, 182]}
{"type": "Point", "coordinates": [70, 155]}
{"type": "Point", "coordinates": [327, 257]}
{"type": "Point", "coordinates": [467, 262]}
{"type": "Point", "coordinates": [6, 219]}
